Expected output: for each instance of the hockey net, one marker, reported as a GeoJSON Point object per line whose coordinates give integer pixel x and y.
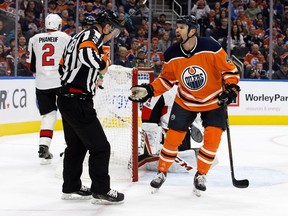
{"type": "Point", "coordinates": [120, 118]}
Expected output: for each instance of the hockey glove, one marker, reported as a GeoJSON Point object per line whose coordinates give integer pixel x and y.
{"type": "Point", "coordinates": [230, 93]}
{"type": "Point", "coordinates": [141, 93]}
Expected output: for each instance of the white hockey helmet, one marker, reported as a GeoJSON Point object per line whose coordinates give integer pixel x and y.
{"type": "Point", "coordinates": [53, 22]}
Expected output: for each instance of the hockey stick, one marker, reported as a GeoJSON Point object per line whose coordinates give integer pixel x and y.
{"type": "Point", "coordinates": [150, 157]}
{"type": "Point", "coordinates": [244, 183]}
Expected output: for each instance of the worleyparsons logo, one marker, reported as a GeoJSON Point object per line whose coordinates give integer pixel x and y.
{"type": "Point", "coordinates": [194, 77]}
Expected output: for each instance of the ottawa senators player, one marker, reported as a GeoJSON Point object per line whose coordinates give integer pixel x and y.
{"type": "Point", "coordinates": [207, 83]}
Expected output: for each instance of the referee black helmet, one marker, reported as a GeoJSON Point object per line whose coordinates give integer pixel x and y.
{"type": "Point", "coordinates": [108, 17]}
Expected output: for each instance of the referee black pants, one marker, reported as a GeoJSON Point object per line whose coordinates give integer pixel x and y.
{"type": "Point", "coordinates": [83, 131]}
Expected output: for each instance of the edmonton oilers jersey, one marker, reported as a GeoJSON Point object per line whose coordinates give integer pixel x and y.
{"type": "Point", "coordinates": [200, 73]}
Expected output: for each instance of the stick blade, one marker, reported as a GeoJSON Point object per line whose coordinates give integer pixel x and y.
{"type": "Point", "coordinates": [240, 183]}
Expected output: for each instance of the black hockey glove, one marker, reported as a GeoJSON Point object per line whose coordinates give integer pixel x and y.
{"type": "Point", "coordinates": [230, 93]}
{"type": "Point", "coordinates": [141, 93]}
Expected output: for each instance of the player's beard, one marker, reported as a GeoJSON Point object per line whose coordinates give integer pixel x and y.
{"type": "Point", "coordinates": [179, 39]}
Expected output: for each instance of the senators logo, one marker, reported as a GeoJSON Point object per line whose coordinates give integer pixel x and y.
{"type": "Point", "coordinates": [194, 78]}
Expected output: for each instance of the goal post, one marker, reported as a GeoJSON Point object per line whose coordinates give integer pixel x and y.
{"type": "Point", "coordinates": [121, 118]}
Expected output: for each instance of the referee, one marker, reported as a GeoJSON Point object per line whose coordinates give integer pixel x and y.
{"type": "Point", "coordinates": [82, 62]}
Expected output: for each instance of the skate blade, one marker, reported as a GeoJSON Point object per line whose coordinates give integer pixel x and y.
{"type": "Point", "coordinates": [105, 202]}
{"type": "Point", "coordinates": [45, 161]}
{"type": "Point", "coordinates": [197, 192]}
{"type": "Point", "coordinates": [75, 197]}
{"type": "Point", "coordinates": [154, 190]}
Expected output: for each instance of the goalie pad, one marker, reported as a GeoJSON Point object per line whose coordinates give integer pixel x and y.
{"type": "Point", "coordinates": [153, 134]}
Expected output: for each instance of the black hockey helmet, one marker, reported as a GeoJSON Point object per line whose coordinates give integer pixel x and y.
{"type": "Point", "coordinates": [189, 20]}
{"type": "Point", "coordinates": [89, 20]}
{"type": "Point", "coordinates": [108, 16]}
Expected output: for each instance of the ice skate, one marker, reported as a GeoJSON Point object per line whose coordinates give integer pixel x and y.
{"type": "Point", "coordinates": [110, 198]}
{"type": "Point", "coordinates": [157, 182]}
{"type": "Point", "coordinates": [45, 155]}
{"type": "Point", "coordinates": [199, 184]}
{"type": "Point", "coordinates": [83, 194]}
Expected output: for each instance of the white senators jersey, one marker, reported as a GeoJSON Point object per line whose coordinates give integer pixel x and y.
{"type": "Point", "coordinates": [44, 53]}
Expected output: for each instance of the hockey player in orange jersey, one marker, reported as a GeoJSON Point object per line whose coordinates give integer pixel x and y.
{"type": "Point", "coordinates": [207, 83]}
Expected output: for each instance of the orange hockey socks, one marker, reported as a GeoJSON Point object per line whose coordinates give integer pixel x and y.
{"type": "Point", "coordinates": [170, 149]}
{"type": "Point", "coordinates": [207, 153]}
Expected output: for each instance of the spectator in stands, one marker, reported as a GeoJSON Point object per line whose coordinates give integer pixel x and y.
{"type": "Point", "coordinates": [142, 38]}
{"type": "Point", "coordinates": [260, 30]}
{"type": "Point", "coordinates": [209, 24]}
{"type": "Point", "coordinates": [160, 23]}
{"type": "Point", "coordinates": [144, 9]}
{"type": "Point", "coordinates": [29, 18]}
{"type": "Point", "coordinates": [132, 53]}
{"type": "Point", "coordinates": [128, 26]}
{"type": "Point", "coordinates": [217, 8]}
{"type": "Point", "coordinates": [4, 65]}
{"type": "Point", "coordinates": [282, 73]}
{"type": "Point", "coordinates": [71, 9]}
{"type": "Point", "coordinates": [279, 48]}
{"type": "Point", "coordinates": [52, 7]}
{"type": "Point", "coordinates": [237, 40]}
{"type": "Point", "coordinates": [251, 38]}
{"type": "Point", "coordinates": [275, 65]}
{"type": "Point", "coordinates": [155, 30]}
{"type": "Point", "coordinates": [246, 21]}
{"type": "Point", "coordinates": [70, 27]}
{"type": "Point", "coordinates": [235, 9]}
{"type": "Point", "coordinates": [109, 6]}
{"type": "Point", "coordinates": [284, 20]}
{"type": "Point", "coordinates": [22, 46]}
{"type": "Point", "coordinates": [275, 35]}
{"type": "Point", "coordinates": [124, 38]}
{"type": "Point", "coordinates": [22, 69]}
{"type": "Point", "coordinates": [140, 60]}
{"type": "Point", "coordinates": [35, 7]}
{"type": "Point", "coordinates": [220, 34]}
{"type": "Point", "coordinates": [201, 10]}
{"type": "Point", "coordinates": [64, 15]}
{"type": "Point", "coordinates": [98, 6]}
{"type": "Point", "coordinates": [11, 61]}
{"type": "Point", "coordinates": [223, 14]}
{"type": "Point", "coordinates": [61, 5]}
{"type": "Point", "coordinates": [251, 59]}
{"type": "Point", "coordinates": [121, 58]}
{"type": "Point", "coordinates": [243, 30]}
{"type": "Point", "coordinates": [131, 8]}
{"type": "Point", "coordinates": [252, 10]}
{"type": "Point", "coordinates": [10, 47]}
{"type": "Point", "coordinates": [126, 15]}
{"type": "Point", "coordinates": [89, 10]}
{"type": "Point", "coordinates": [258, 72]}
{"type": "Point", "coordinates": [168, 28]}
{"type": "Point", "coordinates": [156, 57]}
{"type": "Point", "coordinates": [3, 33]}
{"type": "Point", "coordinates": [164, 42]}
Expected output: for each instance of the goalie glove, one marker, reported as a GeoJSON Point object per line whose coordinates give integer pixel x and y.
{"type": "Point", "coordinates": [230, 93]}
{"type": "Point", "coordinates": [141, 93]}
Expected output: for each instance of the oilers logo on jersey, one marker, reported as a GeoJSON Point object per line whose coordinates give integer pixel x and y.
{"type": "Point", "coordinates": [194, 78]}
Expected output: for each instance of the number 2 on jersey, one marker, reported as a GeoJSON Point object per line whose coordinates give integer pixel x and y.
{"type": "Point", "coordinates": [46, 57]}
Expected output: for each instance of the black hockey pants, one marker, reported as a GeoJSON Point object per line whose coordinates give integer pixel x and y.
{"type": "Point", "coordinates": [83, 131]}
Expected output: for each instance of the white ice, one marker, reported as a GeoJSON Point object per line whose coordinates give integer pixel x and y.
{"type": "Point", "coordinates": [260, 155]}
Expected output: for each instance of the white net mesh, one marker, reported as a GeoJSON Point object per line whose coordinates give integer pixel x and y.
{"type": "Point", "coordinates": [114, 110]}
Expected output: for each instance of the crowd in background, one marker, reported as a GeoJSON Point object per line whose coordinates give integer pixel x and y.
{"type": "Point", "coordinates": [249, 32]}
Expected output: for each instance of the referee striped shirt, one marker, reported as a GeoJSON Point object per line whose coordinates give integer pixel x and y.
{"type": "Point", "coordinates": [81, 61]}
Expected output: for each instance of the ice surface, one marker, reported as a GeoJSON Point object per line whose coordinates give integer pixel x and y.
{"type": "Point", "coordinates": [260, 155]}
